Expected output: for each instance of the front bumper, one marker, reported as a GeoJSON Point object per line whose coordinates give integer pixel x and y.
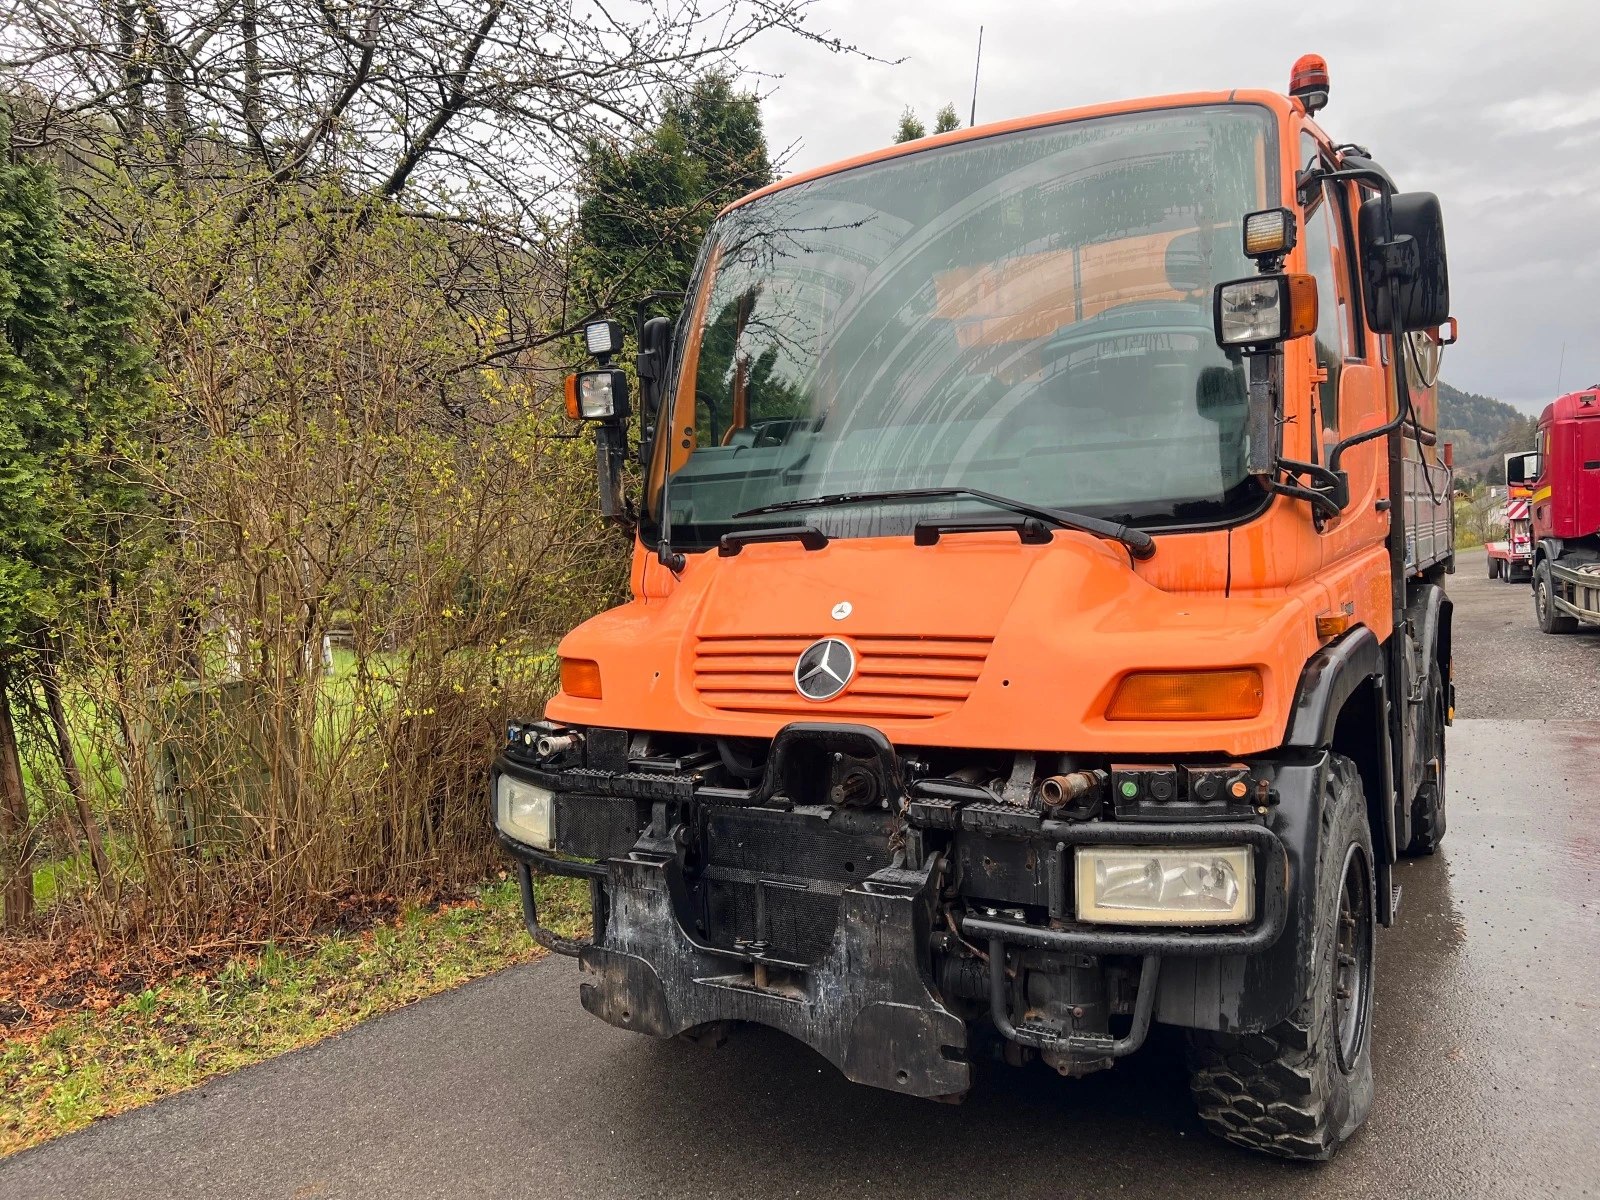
{"type": "Point", "coordinates": [867, 993]}
{"type": "Point", "coordinates": [866, 1006]}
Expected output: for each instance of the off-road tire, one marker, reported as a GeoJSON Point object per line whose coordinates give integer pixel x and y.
{"type": "Point", "coordinates": [1427, 806]}
{"type": "Point", "coordinates": [1286, 1091]}
{"type": "Point", "coordinates": [1544, 608]}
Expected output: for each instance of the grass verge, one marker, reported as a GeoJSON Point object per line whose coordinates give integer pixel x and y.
{"type": "Point", "coordinates": [60, 1075]}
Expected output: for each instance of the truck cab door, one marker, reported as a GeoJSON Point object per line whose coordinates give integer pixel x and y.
{"type": "Point", "coordinates": [1348, 395]}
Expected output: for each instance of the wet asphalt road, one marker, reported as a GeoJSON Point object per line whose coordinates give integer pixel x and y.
{"type": "Point", "coordinates": [1504, 666]}
{"type": "Point", "coordinates": [1487, 1050]}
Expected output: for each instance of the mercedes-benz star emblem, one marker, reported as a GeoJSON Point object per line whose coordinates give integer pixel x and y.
{"type": "Point", "coordinates": [824, 668]}
{"type": "Point", "coordinates": [841, 610]}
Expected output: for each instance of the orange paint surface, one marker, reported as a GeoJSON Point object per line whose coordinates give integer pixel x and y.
{"type": "Point", "coordinates": [979, 641]}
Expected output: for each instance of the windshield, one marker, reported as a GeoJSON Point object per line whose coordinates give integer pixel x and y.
{"type": "Point", "coordinates": [1027, 314]}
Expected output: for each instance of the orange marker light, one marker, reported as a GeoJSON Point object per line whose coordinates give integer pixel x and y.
{"type": "Point", "coordinates": [580, 677]}
{"type": "Point", "coordinates": [1302, 305]}
{"type": "Point", "coordinates": [1332, 624]}
{"type": "Point", "coordinates": [1230, 695]}
{"type": "Point", "coordinates": [572, 397]}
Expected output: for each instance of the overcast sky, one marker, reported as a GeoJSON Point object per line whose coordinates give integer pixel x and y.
{"type": "Point", "coordinates": [1496, 107]}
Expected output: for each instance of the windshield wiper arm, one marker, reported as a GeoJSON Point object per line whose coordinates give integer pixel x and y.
{"type": "Point", "coordinates": [1139, 543]}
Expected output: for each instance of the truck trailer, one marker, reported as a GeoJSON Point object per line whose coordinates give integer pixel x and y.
{"type": "Point", "coordinates": [1562, 476]}
{"type": "Point", "coordinates": [1037, 625]}
{"type": "Point", "coordinates": [1511, 559]}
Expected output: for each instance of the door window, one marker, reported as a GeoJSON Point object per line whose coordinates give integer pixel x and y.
{"type": "Point", "coordinates": [1326, 248]}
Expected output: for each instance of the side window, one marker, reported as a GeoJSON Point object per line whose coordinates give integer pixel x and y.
{"type": "Point", "coordinates": [1330, 259]}
{"type": "Point", "coordinates": [1352, 322]}
{"type": "Point", "coordinates": [1332, 322]}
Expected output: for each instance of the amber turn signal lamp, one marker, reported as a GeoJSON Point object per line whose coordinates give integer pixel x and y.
{"type": "Point", "coordinates": [1230, 695]}
{"type": "Point", "coordinates": [572, 398]}
{"type": "Point", "coordinates": [1331, 625]}
{"type": "Point", "coordinates": [1302, 305]}
{"type": "Point", "coordinates": [580, 677]}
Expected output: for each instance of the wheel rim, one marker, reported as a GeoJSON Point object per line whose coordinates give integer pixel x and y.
{"type": "Point", "coordinates": [1352, 973]}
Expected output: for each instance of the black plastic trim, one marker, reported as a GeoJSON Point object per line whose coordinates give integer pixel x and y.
{"type": "Point", "coordinates": [808, 536]}
{"type": "Point", "coordinates": [1030, 530]}
{"type": "Point", "coordinates": [1329, 678]}
{"type": "Point", "coordinates": [550, 864]}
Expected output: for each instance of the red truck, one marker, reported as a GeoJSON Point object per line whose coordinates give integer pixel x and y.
{"type": "Point", "coordinates": [1563, 472]}
{"type": "Point", "coordinates": [1512, 559]}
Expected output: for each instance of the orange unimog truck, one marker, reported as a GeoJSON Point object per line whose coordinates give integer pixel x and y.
{"type": "Point", "coordinates": [1037, 625]}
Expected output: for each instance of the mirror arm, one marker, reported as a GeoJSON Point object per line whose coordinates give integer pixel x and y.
{"type": "Point", "coordinates": [1398, 259]}
{"type": "Point", "coordinates": [610, 448]}
{"type": "Point", "coordinates": [1328, 491]}
{"type": "Point", "coordinates": [1324, 505]}
{"type": "Point", "coordinates": [1261, 419]}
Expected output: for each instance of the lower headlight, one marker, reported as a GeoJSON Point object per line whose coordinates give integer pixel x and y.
{"type": "Point", "coordinates": [1136, 885]}
{"type": "Point", "coordinates": [523, 812]}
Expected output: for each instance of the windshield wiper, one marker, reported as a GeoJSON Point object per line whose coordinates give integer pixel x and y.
{"type": "Point", "coordinates": [1139, 543]}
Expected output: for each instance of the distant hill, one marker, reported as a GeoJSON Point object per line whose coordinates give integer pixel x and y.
{"type": "Point", "coordinates": [1481, 417]}
{"type": "Point", "coordinates": [1484, 431]}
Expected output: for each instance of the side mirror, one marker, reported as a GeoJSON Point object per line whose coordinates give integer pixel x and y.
{"type": "Point", "coordinates": [655, 348]}
{"type": "Point", "coordinates": [1413, 262]}
{"type": "Point", "coordinates": [1521, 469]}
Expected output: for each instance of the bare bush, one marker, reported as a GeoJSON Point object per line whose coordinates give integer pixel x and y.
{"type": "Point", "coordinates": [353, 222]}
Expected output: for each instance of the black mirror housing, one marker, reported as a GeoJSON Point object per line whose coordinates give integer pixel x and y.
{"type": "Point", "coordinates": [655, 347]}
{"type": "Point", "coordinates": [1522, 468]}
{"type": "Point", "coordinates": [1417, 256]}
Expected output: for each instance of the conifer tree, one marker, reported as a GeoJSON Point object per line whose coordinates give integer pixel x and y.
{"type": "Point", "coordinates": [74, 397]}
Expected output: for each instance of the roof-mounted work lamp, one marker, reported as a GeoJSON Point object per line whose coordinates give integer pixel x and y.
{"type": "Point", "coordinates": [603, 338]}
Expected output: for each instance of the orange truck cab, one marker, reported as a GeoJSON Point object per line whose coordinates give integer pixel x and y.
{"type": "Point", "coordinates": [1037, 626]}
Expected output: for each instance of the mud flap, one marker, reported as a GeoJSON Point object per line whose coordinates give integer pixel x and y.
{"type": "Point", "coordinates": [866, 1007]}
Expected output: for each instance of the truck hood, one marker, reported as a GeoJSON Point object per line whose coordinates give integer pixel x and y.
{"type": "Point", "coordinates": [976, 642]}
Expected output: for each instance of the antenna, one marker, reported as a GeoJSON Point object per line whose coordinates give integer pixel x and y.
{"type": "Point", "coordinates": [973, 119]}
{"type": "Point", "coordinates": [1561, 368]}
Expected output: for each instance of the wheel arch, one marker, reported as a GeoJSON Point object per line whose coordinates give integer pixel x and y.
{"type": "Point", "coordinates": [1339, 706]}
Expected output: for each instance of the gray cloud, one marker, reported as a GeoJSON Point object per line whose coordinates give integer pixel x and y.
{"type": "Point", "coordinates": [1494, 106]}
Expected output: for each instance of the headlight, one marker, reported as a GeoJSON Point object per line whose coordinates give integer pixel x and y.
{"type": "Point", "coordinates": [523, 812]}
{"type": "Point", "coordinates": [1264, 310]}
{"type": "Point", "coordinates": [1136, 885]}
{"type": "Point", "coordinates": [597, 395]}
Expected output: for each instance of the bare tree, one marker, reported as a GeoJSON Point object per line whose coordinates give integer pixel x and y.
{"type": "Point", "coordinates": [487, 104]}
{"type": "Point", "coordinates": [353, 217]}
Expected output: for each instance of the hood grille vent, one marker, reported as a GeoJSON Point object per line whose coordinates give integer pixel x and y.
{"type": "Point", "coordinates": [898, 677]}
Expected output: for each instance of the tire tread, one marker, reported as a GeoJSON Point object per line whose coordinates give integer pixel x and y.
{"type": "Point", "coordinates": [1267, 1091]}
